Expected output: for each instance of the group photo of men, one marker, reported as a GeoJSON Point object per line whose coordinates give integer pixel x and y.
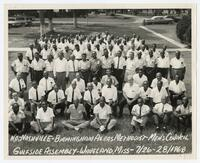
{"type": "Point", "coordinates": [90, 80]}
{"type": "Point", "coordinates": [110, 73]}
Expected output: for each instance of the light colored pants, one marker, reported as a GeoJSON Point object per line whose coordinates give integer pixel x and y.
{"type": "Point", "coordinates": [46, 126]}
{"type": "Point", "coordinates": [110, 125]}
{"type": "Point", "coordinates": [76, 123]}
{"type": "Point", "coordinates": [142, 123]}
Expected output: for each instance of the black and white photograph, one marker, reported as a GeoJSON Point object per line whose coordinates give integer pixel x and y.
{"type": "Point", "coordinates": [100, 82]}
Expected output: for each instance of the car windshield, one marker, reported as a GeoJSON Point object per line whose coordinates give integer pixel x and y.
{"type": "Point", "coordinates": [11, 19]}
{"type": "Point", "coordinates": [20, 18]}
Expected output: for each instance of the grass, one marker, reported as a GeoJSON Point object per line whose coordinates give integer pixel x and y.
{"type": "Point", "coordinates": [20, 37]}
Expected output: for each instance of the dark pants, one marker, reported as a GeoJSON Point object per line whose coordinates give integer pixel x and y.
{"type": "Point", "coordinates": [158, 120]}
{"type": "Point", "coordinates": [122, 103]}
{"type": "Point", "coordinates": [31, 74]}
{"type": "Point", "coordinates": [174, 99]}
{"type": "Point", "coordinates": [61, 80]}
{"type": "Point", "coordinates": [150, 72]}
{"type": "Point", "coordinates": [37, 76]}
{"type": "Point", "coordinates": [182, 123]}
{"type": "Point", "coordinates": [163, 71]}
{"type": "Point", "coordinates": [85, 75]}
{"type": "Point", "coordinates": [24, 77]}
{"type": "Point", "coordinates": [119, 74]}
{"type": "Point", "coordinates": [12, 130]}
{"type": "Point", "coordinates": [89, 110]}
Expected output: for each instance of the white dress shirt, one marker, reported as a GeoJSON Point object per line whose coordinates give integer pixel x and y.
{"type": "Point", "coordinates": [45, 116]}
{"type": "Point", "coordinates": [164, 81]}
{"type": "Point", "coordinates": [119, 62]}
{"type": "Point", "coordinates": [52, 96]}
{"type": "Point", "coordinates": [30, 53]}
{"type": "Point", "coordinates": [92, 99]}
{"type": "Point", "coordinates": [47, 84]}
{"type": "Point", "coordinates": [162, 108]}
{"type": "Point", "coordinates": [131, 91]}
{"type": "Point", "coordinates": [157, 95]}
{"type": "Point", "coordinates": [162, 62]}
{"type": "Point", "coordinates": [73, 66]}
{"type": "Point", "coordinates": [44, 53]}
{"type": "Point", "coordinates": [32, 95]}
{"type": "Point", "coordinates": [69, 92]}
{"type": "Point", "coordinates": [139, 80]}
{"type": "Point", "coordinates": [80, 84]}
{"type": "Point", "coordinates": [38, 65]}
{"type": "Point", "coordinates": [177, 88]}
{"type": "Point", "coordinates": [103, 112]}
{"type": "Point", "coordinates": [60, 65]}
{"type": "Point", "coordinates": [49, 65]}
{"type": "Point", "coordinates": [14, 84]}
{"type": "Point", "coordinates": [19, 101]}
{"type": "Point", "coordinates": [109, 93]}
{"type": "Point", "coordinates": [177, 63]}
{"type": "Point", "coordinates": [145, 94]}
{"type": "Point", "coordinates": [21, 66]}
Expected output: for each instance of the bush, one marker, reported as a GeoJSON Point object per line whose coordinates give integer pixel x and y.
{"type": "Point", "coordinates": [183, 29]}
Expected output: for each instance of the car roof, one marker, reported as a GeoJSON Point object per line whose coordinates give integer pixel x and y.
{"type": "Point", "coordinates": [156, 17]}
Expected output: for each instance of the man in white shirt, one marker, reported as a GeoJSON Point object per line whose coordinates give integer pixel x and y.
{"type": "Point", "coordinates": [77, 117]}
{"type": "Point", "coordinates": [119, 68]}
{"type": "Point", "coordinates": [150, 67]}
{"type": "Point", "coordinates": [140, 113]}
{"type": "Point", "coordinates": [18, 100]}
{"type": "Point", "coordinates": [139, 77]}
{"type": "Point", "coordinates": [176, 90]}
{"type": "Point", "coordinates": [163, 64]}
{"type": "Point", "coordinates": [96, 85]}
{"type": "Point", "coordinates": [159, 78]}
{"type": "Point", "coordinates": [177, 66]}
{"type": "Point", "coordinates": [60, 71]}
{"type": "Point", "coordinates": [46, 83]}
{"type": "Point", "coordinates": [45, 52]}
{"type": "Point", "coordinates": [106, 61]}
{"type": "Point", "coordinates": [17, 122]}
{"type": "Point", "coordinates": [161, 114]}
{"type": "Point", "coordinates": [45, 120]}
{"type": "Point", "coordinates": [56, 98]}
{"type": "Point", "coordinates": [183, 115]}
{"type": "Point", "coordinates": [103, 121]}
{"type": "Point", "coordinates": [140, 62]}
{"type": "Point", "coordinates": [130, 66]}
{"type": "Point", "coordinates": [77, 52]}
{"type": "Point", "coordinates": [145, 93]}
{"type": "Point", "coordinates": [80, 83]}
{"type": "Point", "coordinates": [72, 68]}
{"type": "Point", "coordinates": [49, 65]}
{"type": "Point", "coordinates": [91, 97]}
{"type": "Point", "coordinates": [158, 93]}
{"type": "Point", "coordinates": [38, 67]}
{"type": "Point", "coordinates": [17, 85]}
{"type": "Point", "coordinates": [35, 96]}
{"type": "Point", "coordinates": [21, 65]}
{"type": "Point", "coordinates": [95, 66]}
{"type": "Point", "coordinates": [84, 68]}
{"type": "Point", "coordinates": [30, 53]}
{"type": "Point", "coordinates": [72, 93]}
{"type": "Point", "coordinates": [130, 95]}
{"type": "Point", "coordinates": [109, 91]}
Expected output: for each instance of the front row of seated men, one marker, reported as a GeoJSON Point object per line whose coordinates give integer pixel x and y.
{"type": "Point", "coordinates": [76, 117]}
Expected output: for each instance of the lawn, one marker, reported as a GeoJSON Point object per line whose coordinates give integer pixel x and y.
{"type": "Point", "coordinates": [20, 37]}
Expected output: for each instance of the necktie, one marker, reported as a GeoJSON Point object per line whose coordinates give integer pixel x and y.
{"type": "Point", "coordinates": [73, 66]}
{"type": "Point", "coordinates": [91, 97]}
{"type": "Point", "coordinates": [163, 108]}
{"type": "Point", "coordinates": [20, 88]}
{"type": "Point", "coordinates": [118, 63]}
{"type": "Point", "coordinates": [37, 95]}
{"type": "Point", "coordinates": [32, 54]}
{"type": "Point", "coordinates": [140, 110]}
{"type": "Point", "coordinates": [72, 95]}
{"type": "Point", "coordinates": [56, 97]}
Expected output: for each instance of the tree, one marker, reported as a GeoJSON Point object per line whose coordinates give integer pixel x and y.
{"type": "Point", "coordinates": [49, 14]}
{"type": "Point", "coordinates": [74, 19]}
{"type": "Point", "coordinates": [42, 22]}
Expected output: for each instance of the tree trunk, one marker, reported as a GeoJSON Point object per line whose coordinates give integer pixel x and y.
{"type": "Point", "coordinates": [74, 19]}
{"type": "Point", "coordinates": [42, 22]}
{"type": "Point", "coordinates": [50, 24]}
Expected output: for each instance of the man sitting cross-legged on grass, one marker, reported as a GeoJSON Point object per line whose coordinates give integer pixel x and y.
{"type": "Point", "coordinates": [140, 113]}
{"type": "Point", "coordinates": [17, 123]}
{"type": "Point", "coordinates": [183, 114]}
{"type": "Point", "coordinates": [162, 113]}
{"type": "Point", "coordinates": [103, 120]}
{"type": "Point", "coordinates": [77, 116]}
{"type": "Point", "coordinates": [45, 119]}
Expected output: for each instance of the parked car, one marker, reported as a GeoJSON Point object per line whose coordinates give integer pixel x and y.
{"type": "Point", "coordinates": [19, 21]}
{"type": "Point", "coordinates": [158, 20]}
{"type": "Point", "coordinates": [175, 18]}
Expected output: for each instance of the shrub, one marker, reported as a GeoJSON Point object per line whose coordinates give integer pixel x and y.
{"type": "Point", "coordinates": [183, 29]}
